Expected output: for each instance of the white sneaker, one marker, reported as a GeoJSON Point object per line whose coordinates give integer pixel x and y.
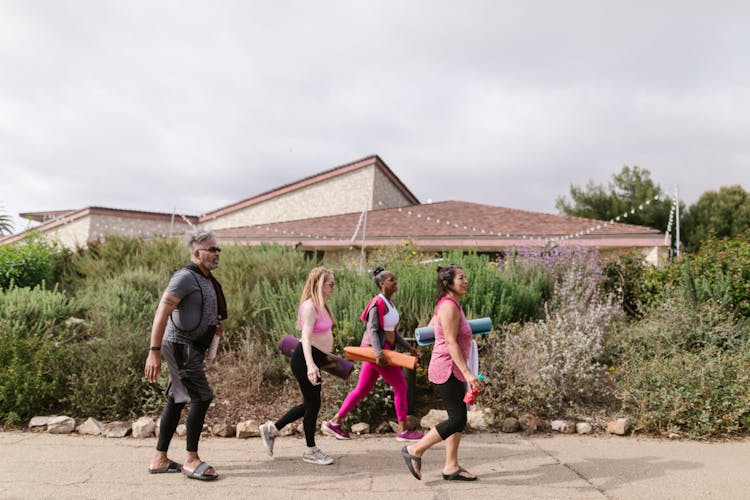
{"type": "Point", "coordinates": [316, 456]}
{"type": "Point", "coordinates": [266, 434]}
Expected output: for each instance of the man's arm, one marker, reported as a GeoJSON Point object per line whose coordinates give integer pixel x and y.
{"type": "Point", "coordinates": [167, 305]}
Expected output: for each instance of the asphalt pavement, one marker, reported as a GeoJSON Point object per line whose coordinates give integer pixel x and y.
{"type": "Point", "coordinates": [512, 466]}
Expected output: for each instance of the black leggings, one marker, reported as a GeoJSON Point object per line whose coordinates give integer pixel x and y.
{"type": "Point", "coordinates": [452, 393]}
{"type": "Point", "coordinates": [310, 406]}
{"type": "Point", "coordinates": [170, 417]}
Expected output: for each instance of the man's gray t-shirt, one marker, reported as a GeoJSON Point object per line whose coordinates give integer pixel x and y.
{"type": "Point", "coordinates": [197, 309]}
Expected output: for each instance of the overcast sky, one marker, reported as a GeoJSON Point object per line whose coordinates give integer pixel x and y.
{"type": "Point", "coordinates": [164, 105]}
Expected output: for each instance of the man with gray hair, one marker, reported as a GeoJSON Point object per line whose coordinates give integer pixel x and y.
{"type": "Point", "coordinates": [191, 312]}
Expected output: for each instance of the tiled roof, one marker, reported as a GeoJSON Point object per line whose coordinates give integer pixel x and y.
{"type": "Point", "coordinates": [307, 181]}
{"type": "Point", "coordinates": [447, 224]}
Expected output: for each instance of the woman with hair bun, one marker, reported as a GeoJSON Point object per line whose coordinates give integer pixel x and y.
{"type": "Point", "coordinates": [381, 317]}
{"type": "Point", "coordinates": [449, 372]}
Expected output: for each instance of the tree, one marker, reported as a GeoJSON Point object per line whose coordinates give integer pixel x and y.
{"type": "Point", "coordinates": [6, 224]}
{"type": "Point", "coordinates": [722, 214]}
{"type": "Point", "coordinates": [629, 189]}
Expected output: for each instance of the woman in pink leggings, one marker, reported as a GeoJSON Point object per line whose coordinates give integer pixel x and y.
{"type": "Point", "coordinates": [381, 317]}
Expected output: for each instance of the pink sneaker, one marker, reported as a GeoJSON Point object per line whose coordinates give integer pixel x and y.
{"type": "Point", "coordinates": [409, 436]}
{"type": "Point", "coordinates": [334, 430]}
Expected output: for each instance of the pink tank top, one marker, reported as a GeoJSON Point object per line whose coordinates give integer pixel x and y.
{"type": "Point", "coordinates": [323, 321]}
{"type": "Point", "coordinates": [441, 363]}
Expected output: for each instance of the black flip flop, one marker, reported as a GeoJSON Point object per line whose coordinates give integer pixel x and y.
{"type": "Point", "coordinates": [200, 472]}
{"type": "Point", "coordinates": [456, 476]}
{"type": "Point", "coordinates": [408, 458]}
{"type": "Point", "coordinates": [172, 467]}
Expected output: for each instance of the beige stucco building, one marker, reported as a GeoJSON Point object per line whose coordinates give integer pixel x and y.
{"type": "Point", "coordinates": [344, 212]}
{"type": "Point", "coordinates": [364, 184]}
{"type": "Point", "coordinates": [76, 228]}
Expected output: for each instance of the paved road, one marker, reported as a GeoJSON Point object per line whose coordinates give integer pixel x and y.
{"type": "Point", "coordinates": [38, 465]}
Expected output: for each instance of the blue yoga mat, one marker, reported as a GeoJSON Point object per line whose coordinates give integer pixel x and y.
{"type": "Point", "coordinates": [425, 335]}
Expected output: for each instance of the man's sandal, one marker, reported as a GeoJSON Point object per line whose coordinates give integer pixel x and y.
{"type": "Point", "coordinates": [200, 472]}
{"type": "Point", "coordinates": [172, 467]}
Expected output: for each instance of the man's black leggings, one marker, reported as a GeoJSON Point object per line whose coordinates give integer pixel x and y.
{"type": "Point", "coordinates": [452, 393]}
{"type": "Point", "coordinates": [171, 417]}
{"type": "Point", "coordinates": [310, 406]}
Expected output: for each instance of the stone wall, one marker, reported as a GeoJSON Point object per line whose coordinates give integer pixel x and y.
{"type": "Point", "coordinates": [102, 225]}
{"type": "Point", "coordinates": [345, 193]}
{"type": "Point", "coordinates": [655, 256]}
{"type": "Point", "coordinates": [79, 232]}
{"type": "Point", "coordinates": [72, 234]}
{"type": "Point", "coordinates": [385, 194]}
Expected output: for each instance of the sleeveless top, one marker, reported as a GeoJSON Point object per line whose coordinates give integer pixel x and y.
{"type": "Point", "coordinates": [323, 321]}
{"type": "Point", "coordinates": [441, 364]}
{"type": "Point", "coordinates": [384, 317]}
{"type": "Point", "coordinates": [196, 312]}
{"type": "Point", "coordinates": [391, 318]}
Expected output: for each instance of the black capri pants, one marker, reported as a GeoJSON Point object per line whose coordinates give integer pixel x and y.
{"type": "Point", "coordinates": [452, 393]}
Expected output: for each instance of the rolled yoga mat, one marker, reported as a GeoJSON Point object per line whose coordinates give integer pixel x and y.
{"type": "Point", "coordinates": [425, 335]}
{"type": "Point", "coordinates": [335, 365]}
{"type": "Point", "coordinates": [392, 357]}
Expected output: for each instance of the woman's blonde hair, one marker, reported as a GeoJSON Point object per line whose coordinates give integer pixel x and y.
{"type": "Point", "coordinates": [314, 289]}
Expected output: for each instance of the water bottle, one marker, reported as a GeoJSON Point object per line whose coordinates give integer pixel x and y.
{"type": "Point", "coordinates": [213, 349]}
{"type": "Point", "coordinates": [471, 394]}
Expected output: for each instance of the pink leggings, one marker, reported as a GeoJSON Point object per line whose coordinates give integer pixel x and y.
{"type": "Point", "coordinates": [367, 379]}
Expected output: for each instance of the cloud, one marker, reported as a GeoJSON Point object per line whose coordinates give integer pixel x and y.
{"type": "Point", "coordinates": [155, 105]}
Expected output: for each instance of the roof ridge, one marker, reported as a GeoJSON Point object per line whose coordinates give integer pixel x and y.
{"type": "Point", "coordinates": [312, 179]}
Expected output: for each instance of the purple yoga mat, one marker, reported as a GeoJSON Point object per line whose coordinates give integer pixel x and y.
{"type": "Point", "coordinates": [335, 365]}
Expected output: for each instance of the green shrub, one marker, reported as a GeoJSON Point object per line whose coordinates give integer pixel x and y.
{"type": "Point", "coordinates": [128, 299]}
{"type": "Point", "coordinates": [720, 272]}
{"type": "Point", "coordinates": [110, 383]}
{"type": "Point", "coordinates": [257, 362]}
{"type": "Point", "coordinates": [262, 286]}
{"type": "Point", "coordinates": [27, 263]}
{"type": "Point", "coordinates": [623, 278]}
{"type": "Point", "coordinates": [685, 367]}
{"type": "Point", "coordinates": [116, 286]}
{"type": "Point", "coordinates": [102, 261]}
{"type": "Point", "coordinates": [36, 351]}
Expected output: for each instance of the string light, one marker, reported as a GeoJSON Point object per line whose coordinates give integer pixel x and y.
{"type": "Point", "coordinates": [414, 213]}
{"type": "Point", "coordinates": [359, 223]}
{"type": "Point", "coordinates": [668, 233]}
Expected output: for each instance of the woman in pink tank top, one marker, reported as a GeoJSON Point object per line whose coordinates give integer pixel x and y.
{"type": "Point", "coordinates": [450, 373]}
{"type": "Point", "coordinates": [315, 319]}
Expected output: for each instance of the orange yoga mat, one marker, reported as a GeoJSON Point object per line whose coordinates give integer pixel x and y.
{"type": "Point", "coordinates": [392, 357]}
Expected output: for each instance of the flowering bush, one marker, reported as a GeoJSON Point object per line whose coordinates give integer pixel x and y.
{"type": "Point", "coordinates": [553, 365]}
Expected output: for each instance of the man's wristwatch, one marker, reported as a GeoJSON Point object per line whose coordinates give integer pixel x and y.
{"type": "Point", "coordinates": [155, 348]}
